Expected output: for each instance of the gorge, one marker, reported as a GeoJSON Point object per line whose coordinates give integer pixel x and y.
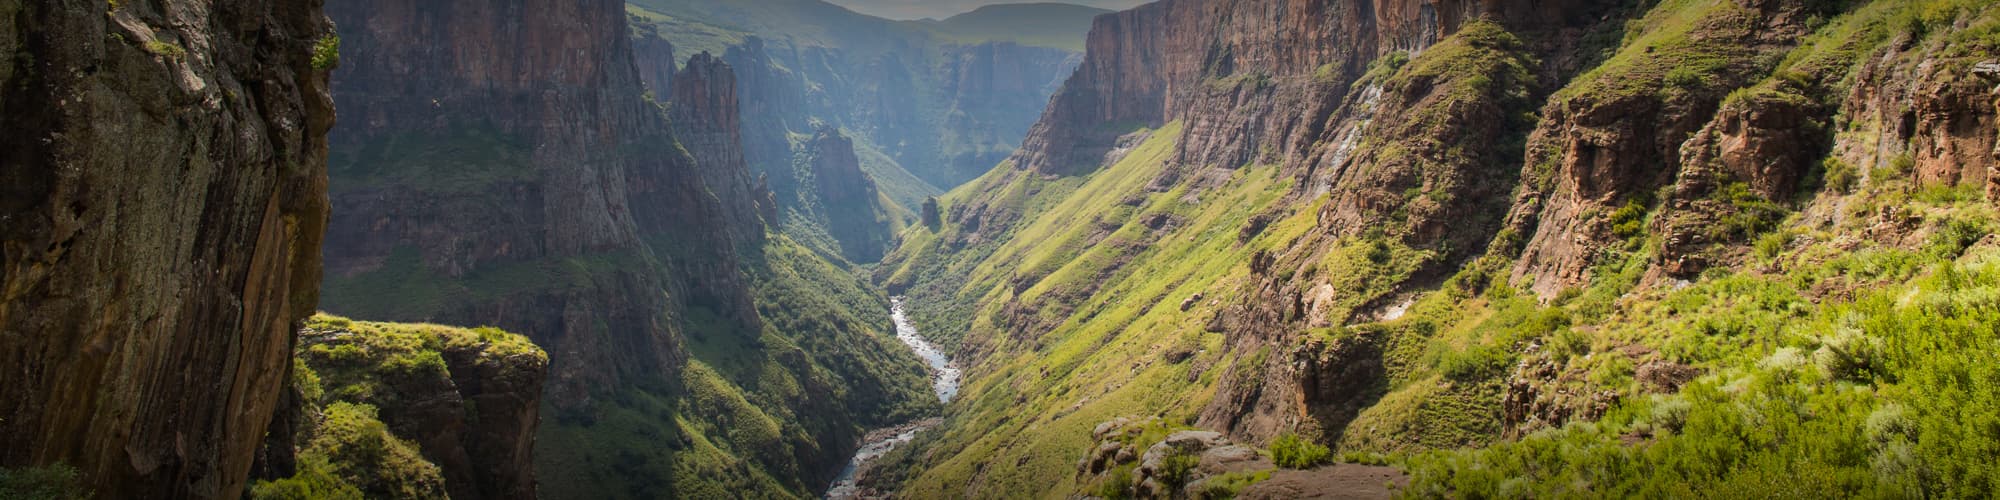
{"type": "Point", "coordinates": [1190, 249]}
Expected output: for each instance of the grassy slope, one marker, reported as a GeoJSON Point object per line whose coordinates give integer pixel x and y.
{"type": "Point", "coordinates": [1888, 392]}
{"type": "Point", "coordinates": [1106, 361]}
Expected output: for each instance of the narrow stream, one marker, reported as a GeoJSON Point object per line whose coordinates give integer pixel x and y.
{"type": "Point", "coordinates": [944, 381]}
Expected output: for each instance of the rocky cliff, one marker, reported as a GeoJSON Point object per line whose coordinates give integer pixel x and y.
{"type": "Point", "coordinates": [1427, 225]}
{"type": "Point", "coordinates": [469, 400]}
{"type": "Point", "coordinates": [703, 106]}
{"type": "Point", "coordinates": [853, 210]}
{"type": "Point", "coordinates": [504, 158]}
{"type": "Point", "coordinates": [928, 107]}
{"type": "Point", "coordinates": [506, 166]}
{"type": "Point", "coordinates": [164, 201]}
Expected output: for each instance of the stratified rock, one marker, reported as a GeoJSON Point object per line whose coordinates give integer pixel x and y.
{"type": "Point", "coordinates": [162, 200]}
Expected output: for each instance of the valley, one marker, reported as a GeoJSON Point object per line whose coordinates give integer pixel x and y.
{"type": "Point", "coordinates": [1202, 249]}
{"type": "Point", "coordinates": [945, 379]}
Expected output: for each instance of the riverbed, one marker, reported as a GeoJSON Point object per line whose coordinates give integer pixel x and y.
{"type": "Point", "coordinates": [944, 382]}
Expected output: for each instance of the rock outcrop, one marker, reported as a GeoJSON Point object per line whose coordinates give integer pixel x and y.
{"type": "Point", "coordinates": [705, 118]}
{"type": "Point", "coordinates": [848, 200]}
{"type": "Point", "coordinates": [469, 399]}
{"type": "Point", "coordinates": [162, 200]}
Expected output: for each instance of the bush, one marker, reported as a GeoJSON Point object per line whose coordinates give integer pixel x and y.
{"type": "Point", "coordinates": [314, 481]}
{"type": "Point", "coordinates": [1629, 221]}
{"type": "Point", "coordinates": [1118, 486]}
{"type": "Point", "coordinates": [1292, 452]}
{"type": "Point", "coordinates": [1839, 175]}
{"type": "Point", "coordinates": [1178, 469]}
{"type": "Point", "coordinates": [326, 53]}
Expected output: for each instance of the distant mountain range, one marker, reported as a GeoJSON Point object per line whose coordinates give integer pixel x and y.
{"type": "Point", "coordinates": [944, 9]}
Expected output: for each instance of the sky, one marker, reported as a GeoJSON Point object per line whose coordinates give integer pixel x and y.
{"type": "Point", "coordinates": [940, 9]}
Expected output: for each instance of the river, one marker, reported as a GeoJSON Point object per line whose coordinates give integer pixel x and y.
{"type": "Point", "coordinates": [944, 381]}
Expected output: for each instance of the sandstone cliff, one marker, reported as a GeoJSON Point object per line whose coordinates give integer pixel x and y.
{"type": "Point", "coordinates": [164, 198]}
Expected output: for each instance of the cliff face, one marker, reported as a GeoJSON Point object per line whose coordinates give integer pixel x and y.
{"type": "Point", "coordinates": [507, 168]}
{"type": "Point", "coordinates": [847, 198]}
{"type": "Point", "coordinates": [163, 203]}
{"type": "Point", "coordinates": [927, 110]}
{"type": "Point", "coordinates": [502, 157]}
{"type": "Point", "coordinates": [703, 106]}
{"type": "Point", "coordinates": [1245, 72]}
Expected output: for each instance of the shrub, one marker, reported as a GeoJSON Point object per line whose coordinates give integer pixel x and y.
{"type": "Point", "coordinates": [1178, 469]}
{"type": "Point", "coordinates": [326, 53]}
{"type": "Point", "coordinates": [1839, 175]}
{"type": "Point", "coordinates": [1118, 486]}
{"type": "Point", "coordinates": [1292, 452]}
{"type": "Point", "coordinates": [314, 481]}
{"type": "Point", "coordinates": [1630, 220]}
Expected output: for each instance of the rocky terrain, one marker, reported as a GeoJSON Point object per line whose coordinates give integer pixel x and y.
{"type": "Point", "coordinates": [457, 411]}
{"type": "Point", "coordinates": [529, 178]}
{"type": "Point", "coordinates": [164, 196]}
{"type": "Point", "coordinates": [1405, 228]}
{"type": "Point", "coordinates": [927, 105]}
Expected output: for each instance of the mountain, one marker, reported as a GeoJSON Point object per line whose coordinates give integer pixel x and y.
{"type": "Point", "coordinates": [943, 9]}
{"type": "Point", "coordinates": [925, 104]}
{"type": "Point", "coordinates": [506, 169]}
{"type": "Point", "coordinates": [164, 197]}
{"type": "Point", "coordinates": [1054, 25]}
{"type": "Point", "coordinates": [1679, 248]}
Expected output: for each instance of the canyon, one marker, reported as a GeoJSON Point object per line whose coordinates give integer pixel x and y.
{"type": "Point", "coordinates": [1192, 249]}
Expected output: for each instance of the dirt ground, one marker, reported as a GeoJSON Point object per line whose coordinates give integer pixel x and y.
{"type": "Point", "coordinates": [1341, 482]}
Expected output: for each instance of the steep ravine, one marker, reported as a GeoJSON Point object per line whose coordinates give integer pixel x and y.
{"type": "Point", "coordinates": [945, 380]}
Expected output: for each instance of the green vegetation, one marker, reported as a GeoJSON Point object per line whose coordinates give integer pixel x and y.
{"type": "Point", "coordinates": [326, 53]}
{"type": "Point", "coordinates": [166, 50]}
{"type": "Point", "coordinates": [1291, 452]}
{"type": "Point", "coordinates": [346, 372]}
{"type": "Point", "coordinates": [755, 413]}
{"type": "Point", "coordinates": [354, 446]}
{"type": "Point", "coordinates": [1842, 345]}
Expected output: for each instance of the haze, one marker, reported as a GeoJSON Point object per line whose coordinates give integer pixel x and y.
{"type": "Point", "coordinates": [940, 9]}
